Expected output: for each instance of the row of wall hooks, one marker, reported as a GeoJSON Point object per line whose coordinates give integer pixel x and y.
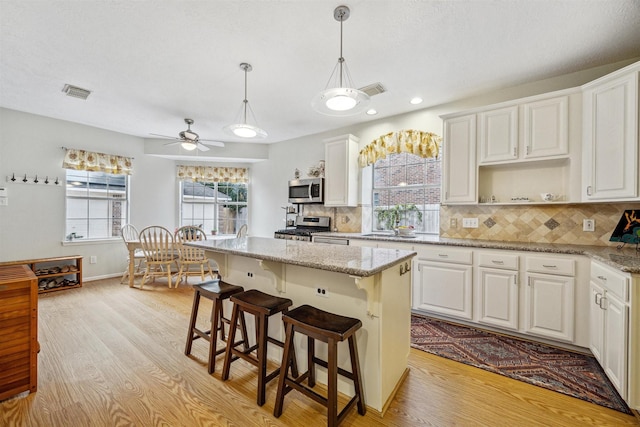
{"type": "Point", "coordinates": [32, 180]}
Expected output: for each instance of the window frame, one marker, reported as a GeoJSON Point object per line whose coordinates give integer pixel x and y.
{"type": "Point", "coordinates": [110, 218]}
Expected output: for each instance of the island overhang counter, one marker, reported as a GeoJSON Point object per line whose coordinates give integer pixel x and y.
{"type": "Point", "coordinates": [370, 284]}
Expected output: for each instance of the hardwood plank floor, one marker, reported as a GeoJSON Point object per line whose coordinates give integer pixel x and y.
{"type": "Point", "coordinates": [113, 356]}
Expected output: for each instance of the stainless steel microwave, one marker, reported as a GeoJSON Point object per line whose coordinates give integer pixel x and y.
{"type": "Point", "coordinates": [306, 190]}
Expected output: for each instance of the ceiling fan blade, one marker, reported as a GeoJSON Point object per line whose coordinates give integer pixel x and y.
{"type": "Point", "coordinates": [202, 147]}
{"type": "Point", "coordinates": [211, 142]}
{"type": "Point", "coordinates": [164, 136]}
{"type": "Point", "coordinates": [172, 143]}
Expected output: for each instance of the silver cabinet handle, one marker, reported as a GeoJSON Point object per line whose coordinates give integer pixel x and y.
{"type": "Point", "coordinates": [497, 262]}
{"type": "Point", "coordinates": [604, 298]}
{"type": "Point", "coordinates": [589, 191]}
{"type": "Point", "coordinates": [549, 266]}
{"type": "Point", "coordinates": [603, 278]}
{"type": "Point", "coordinates": [443, 255]}
{"type": "Point", "coordinates": [596, 299]}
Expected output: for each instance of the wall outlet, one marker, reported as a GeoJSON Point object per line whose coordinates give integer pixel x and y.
{"type": "Point", "coordinates": [249, 274]}
{"type": "Point", "coordinates": [588, 225]}
{"type": "Point", "coordinates": [93, 259]}
{"type": "Point", "coordinates": [469, 222]}
{"type": "Point", "coordinates": [453, 223]}
{"type": "Point", "coordinates": [322, 292]}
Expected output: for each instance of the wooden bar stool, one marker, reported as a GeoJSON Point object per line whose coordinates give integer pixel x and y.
{"type": "Point", "coordinates": [217, 291]}
{"type": "Point", "coordinates": [330, 328]}
{"type": "Point", "coordinates": [262, 306]}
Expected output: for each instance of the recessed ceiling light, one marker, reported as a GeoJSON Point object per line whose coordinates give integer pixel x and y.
{"type": "Point", "coordinates": [416, 100]}
{"type": "Point", "coordinates": [372, 112]}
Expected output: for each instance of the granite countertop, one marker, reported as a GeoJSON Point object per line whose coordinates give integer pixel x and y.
{"type": "Point", "coordinates": [626, 259]}
{"type": "Point", "coordinates": [352, 260]}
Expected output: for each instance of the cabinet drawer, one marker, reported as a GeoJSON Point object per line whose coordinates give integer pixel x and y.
{"type": "Point", "coordinates": [551, 265]}
{"type": "Point", "coordinates": [498, 260]}
{"type": "Point", "coordinates": [445, 255]}
{"type": "Point", "coordinates": [614, 281]}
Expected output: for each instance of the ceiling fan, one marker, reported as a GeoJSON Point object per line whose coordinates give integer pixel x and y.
{"type": "Point", "coordinates": [189, 140]}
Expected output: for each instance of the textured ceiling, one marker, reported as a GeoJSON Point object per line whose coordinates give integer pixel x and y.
{"type": "Point", "coordinates": [149, 64]}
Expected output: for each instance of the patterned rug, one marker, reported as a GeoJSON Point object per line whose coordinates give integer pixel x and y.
{"type": "Point", "coordinates": [573, 374]}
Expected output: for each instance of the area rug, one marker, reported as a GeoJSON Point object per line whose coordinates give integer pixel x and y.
{"type": "Point", "coordinates": [566, 372]}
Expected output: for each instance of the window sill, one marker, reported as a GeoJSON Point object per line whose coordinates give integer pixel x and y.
{"type": "Point", "coordinates": [81, 242]}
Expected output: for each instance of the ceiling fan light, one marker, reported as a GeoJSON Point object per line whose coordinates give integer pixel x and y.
{"type": "Point", "coordinates": [189, 146]}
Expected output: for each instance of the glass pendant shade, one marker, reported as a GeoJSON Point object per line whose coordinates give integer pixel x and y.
{"type": "Point", "coordinates": [340, 98]}
{"type": "Point", "coordinates": [243, 129]}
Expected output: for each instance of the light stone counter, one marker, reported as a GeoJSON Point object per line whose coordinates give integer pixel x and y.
{"type": "Point", "coordinates": [370, 284]}
{"type": "Point", "coordinates": [626, 259]}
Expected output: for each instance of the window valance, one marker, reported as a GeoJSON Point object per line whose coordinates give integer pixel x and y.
{"type": "Point", "coordinates": [212, 174]}
{"type": "Point", "coordinates": [423, 144]}
{"type": "Point", "coordinates": [97, 162]}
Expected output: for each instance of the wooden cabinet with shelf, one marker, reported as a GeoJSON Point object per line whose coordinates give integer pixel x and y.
{"type": "Point", "coordinates": [55, 273]}
{"type": "Point", "coordinates": [18, 330]}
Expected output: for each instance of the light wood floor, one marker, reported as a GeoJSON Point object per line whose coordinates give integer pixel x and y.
{"type": "Point", "coordinates": [111, 355]}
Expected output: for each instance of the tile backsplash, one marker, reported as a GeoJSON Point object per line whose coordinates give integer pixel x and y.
{"type": "Point", "coordinates": [344, 219]}
{"type": "Point", "coordinates": [535, 223]}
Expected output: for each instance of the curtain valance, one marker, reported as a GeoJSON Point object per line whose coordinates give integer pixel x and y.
{"type": "Point", "coordinates": [423, 144]}
{"type": "Point", "coordinates": [212, 174]}
{"type": "Point", "coordinates": [97, 162]}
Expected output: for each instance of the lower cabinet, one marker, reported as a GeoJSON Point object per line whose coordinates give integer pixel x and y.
{"type": "Point", "coordinates": [609, 322]}
{"type": "Point", "coordinates": [498, 289]}
{"type": "Point", "coordinates": [550, 306]}
{"type": "Point", "coordinates": [442, 282]}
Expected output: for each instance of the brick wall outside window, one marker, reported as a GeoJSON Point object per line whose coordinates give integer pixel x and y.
{"type": "Point", "coordinates": [402, 179]}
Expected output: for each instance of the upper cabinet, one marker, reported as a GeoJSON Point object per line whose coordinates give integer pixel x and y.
{"type": "Point", "coordinates": [341, 171]}
{"type": "Point", "coordinates": [459, 160]}
{"type": "Point", "coordinates": [610, 133]}
{"type": "Point", "coordinates": [527, 130]}
{"type": "Point", "coordinates": [498, 134]}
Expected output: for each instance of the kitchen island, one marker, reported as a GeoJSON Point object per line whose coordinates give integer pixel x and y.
{"type": "Point", "coordinates": [370, 284]}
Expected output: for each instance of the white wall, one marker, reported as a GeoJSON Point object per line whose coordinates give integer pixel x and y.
{"type": "Point", "coordinates": [32, 225]}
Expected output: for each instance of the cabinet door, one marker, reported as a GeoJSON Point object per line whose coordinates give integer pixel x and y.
{"type": "Point", "coordinates": [611, 140]}
{"type": "Point", "coordinates": [341, 171]}
{"type": "Point", "coordinates": [498, 298]}
{"type": "Point", "coordinates": [546, 128]}
{"type": "Point", "coordinates": [596, 322]}
{"type": "Point", "coordinates": [498, 135]}
{"type": "Point", "coordinates": [550, 306]}
{"type": "Point", "coordinates": [615, 342]}
{"type": "Point", "coordinates": [459, 161]}
{"type": "Point", "coordinates": [443, 288]}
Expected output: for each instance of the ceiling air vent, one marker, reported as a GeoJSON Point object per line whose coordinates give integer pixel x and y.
{"type": "Point", "coordinates": [76, 92]}
{"type": "Point", "coordinates": [373, 89]}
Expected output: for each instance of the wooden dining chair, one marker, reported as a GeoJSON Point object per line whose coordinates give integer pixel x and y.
{"type": "Point", "coordinates": [159, 252]}
{"type": "Point", "coordinates": [130, 235]}
{"type": "Point", "coordinates": [190, 256]}
{"type": "Point", "coordinates": [242, 231]}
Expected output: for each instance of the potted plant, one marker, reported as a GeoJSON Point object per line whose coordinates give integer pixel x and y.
{"type": "Point", "coordinates": [393, 216]}
{"type": "Point", "coordinates": [214, 232]}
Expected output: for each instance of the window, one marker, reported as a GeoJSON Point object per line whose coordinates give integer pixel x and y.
{"type": "Point", "coordinates": [97, 205]}
{"type": "Point", "coordinates": [406, 191]}
{"type": "Point", "coordinates": [220, 206]}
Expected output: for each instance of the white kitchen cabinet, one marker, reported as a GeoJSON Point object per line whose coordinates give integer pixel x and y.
{"type": "Point", "coordinates": [497, 291]}
{"type": "Point", "coordinates": [610, 136]}
{"type": "Point", "coordinates": [341, 171]}
{"type": "Point", "coordinates": [459, 160]}
{"type": "Point", "coordinates": [550, 297]}
{"type": "Point", "coordinates": [609, 323]}
{"type": "Point", "coordinates": [545, 128]}
{"type": "Point", "coordinates": [442, 282]}
{"type": "Point", "coordinates": [498, 134]}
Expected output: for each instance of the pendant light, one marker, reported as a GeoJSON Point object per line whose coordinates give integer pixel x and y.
{"type": "Point", "coordinates": [340, 98]}
{"type": "Point", "coordinates": [244, 129]}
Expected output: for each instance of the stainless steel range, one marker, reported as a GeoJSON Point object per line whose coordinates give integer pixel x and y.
{"type": "Point", "coordinates": [305, 226]}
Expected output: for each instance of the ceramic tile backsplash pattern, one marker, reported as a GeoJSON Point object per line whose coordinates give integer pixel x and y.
{"type": "Point", "coordinates": [345, 220]}
{"type": "Point", "coordinates": [535, 223]}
